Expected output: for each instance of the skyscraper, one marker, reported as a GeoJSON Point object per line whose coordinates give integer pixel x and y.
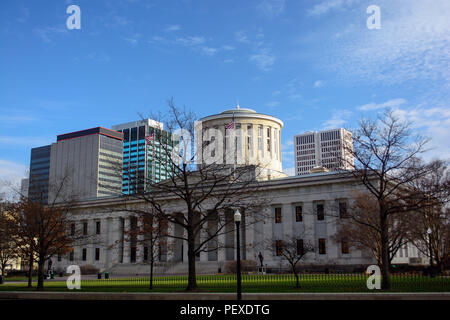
{"type": "Point", "coordinates": [330, 149]}
{"type": "Point", "coordinates": [39, 174]}
{"type": "Point", "coordinates": [89, 161]}
{"type": "Point", "coordinates": [145, 160]}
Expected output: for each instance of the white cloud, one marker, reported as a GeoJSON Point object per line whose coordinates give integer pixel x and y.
{"type": "Point", "coordinates": [431, 122]}
{"type": "Point", "coordinates": [24, 141]}
{"type": "Point", "coordinates": [329, 5]}
{"type": "Point", "coordinates": [318, 84]}
{"type": "Point", "coordinates": [412, 44]}
{"type": "Point", "coordinates": [388, 104]}
{"type": "Point", "coordinates": [191, 41]}
{"type": "Point", "coordinates": [264, 59]}
{"type": "Point", "coordinates": [227, 47]}
{"type": "Point", "coordinates": [46, 34]}
{"type": "Point", "coordinates": [209, 51]}
{"type": "Point", "coordinates": [174, 27]}
{"type": "Point", "coordinates": [11, 175]}
{"type": "Point", "coordinates": [133, 40]}
{"type": "Point", "coordinates": [338, 120]}
{"type": "Point", "coordinates": [271, 8]}
{"type": "Point", "coordinates": [272, 104]}
{"type": "Point", "coordinates": [241, 36]}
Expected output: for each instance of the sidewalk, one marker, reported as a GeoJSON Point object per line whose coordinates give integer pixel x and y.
{"type": "Point", "coordinates": [220, 296]}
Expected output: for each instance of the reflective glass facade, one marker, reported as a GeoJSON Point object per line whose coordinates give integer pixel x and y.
{"type": "Point", "coordinates": [145, 163]}
{"type": "Point", "coordinates": [39, 174]}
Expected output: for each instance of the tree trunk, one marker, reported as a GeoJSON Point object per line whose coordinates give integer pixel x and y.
{"type": "Point", "coordinates": [30, 271]}
{"type": "Point", "coordinates": [192, 281]}
{"type": "Point", "coordinates": [40, 285]}
{"type": "Point", "coordinates": [385, 284]}
{"type": "Point", "coordinates": [151, 274]}
{"type": "Point", "coordinates": [297, 285]}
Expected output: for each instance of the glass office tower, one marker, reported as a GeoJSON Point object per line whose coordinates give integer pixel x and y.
{"type": "Point", "coordinates": [39, 174]}
{"type": "Point", "coordinates": [145, 162]}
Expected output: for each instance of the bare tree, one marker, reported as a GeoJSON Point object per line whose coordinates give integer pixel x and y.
{"type": "Point", "coordinates": [152, 234]}
{"type": "Point", "coordinates": [434, 215]}
{"type": "Point", "coordinates": [386, 163]}
{"type": "Point", "coordinates": [42, 230]}
{"type": "Point", "coordinates": [8, 250]}
{"type": "Point", "coordinates": [361, 228]}
{"type": "Point", "coordinates": [292, 250]}
{"type": "Point", "coordinates": [198, 198]}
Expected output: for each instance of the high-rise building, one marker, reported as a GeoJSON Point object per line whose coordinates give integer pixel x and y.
{"type": "Point", "coordinates": [39, 174]}
{"type": "Point", "coordinates": [89, 161]}
{"type": "Point", "coordinates": [330, 149]}
{"type": "Point", "coordinates": [145, 161]}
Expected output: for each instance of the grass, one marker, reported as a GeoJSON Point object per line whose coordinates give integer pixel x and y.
{"type": "Point", "coordinates": [250, 284]}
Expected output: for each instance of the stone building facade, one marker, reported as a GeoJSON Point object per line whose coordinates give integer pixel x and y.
{"type": "Point", "coordinates": [318, 195]}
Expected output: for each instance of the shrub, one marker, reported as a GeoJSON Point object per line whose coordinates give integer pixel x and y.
{"type": "Point", "coordinates": [20, 273]}
{"type": "Point", "coordinates": [89, 269]}
{"type": "Point", "coordinates": [246, 266]}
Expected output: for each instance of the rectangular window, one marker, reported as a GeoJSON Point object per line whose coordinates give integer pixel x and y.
{"type": "Point", "coordinates": [300, 250]}
{"type": "Point", "coordinates": [344, 246]}
{"type": "Point", "coordinates": [133, 134]}
{"type": "Point", "coordinates": [126, 135]}
{"type": "Point", "coordinates": [343, 210]}
{"type": "Point", "coordinates": [84, 254]}
{"type": "Point", "coordinates": [97, 227]}
{"type": "Point", "coordinates": [298, 213]}
{"type": "Point", "coordinates": [279, 247]}
{"type": "Point", "coordinates": [145, 253]}
{"type": "Point", "coordinates": [71, 255]}
{"type": "Point", "coordinates": [277, 215]}
{"type": "Point", "coordinates": [85, 228]}
{"type": "Point", "coordinates": [320, 212]}
{"type": "Point", "coordinates": [260, 140]}
{"type": "Point", "coordinates": [97, 254]}
{"type": "Point", "coordinates": [59, 257]}
{"type": "Point", "coordinates": [250, 140]}
{"type": "Point", "coordinates": [133, 254]}
{"type": "Point", "coordinates": [72, 229]}
{"type": "Point", "coordinates": [238, 146]}
{"type": "Point", "coordinates": [141, 132]}
{"type": "Point", "coordinates": [322, 246]}
{"type": "Point", "coordinates": [269, 141]}
{"type": "Point", "coordinates": [275, 143]}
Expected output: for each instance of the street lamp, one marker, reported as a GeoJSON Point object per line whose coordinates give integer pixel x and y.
{"type": "Point", "coordinates": [237, 220]}
{"type": "Point", "coordinates": [431, 252]}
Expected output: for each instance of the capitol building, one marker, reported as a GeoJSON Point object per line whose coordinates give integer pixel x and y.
{"type": "Point", "coordinates": [306, 207]}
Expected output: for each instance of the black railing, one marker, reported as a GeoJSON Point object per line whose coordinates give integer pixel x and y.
{"type": "Point", "coordinates": [278, 282]}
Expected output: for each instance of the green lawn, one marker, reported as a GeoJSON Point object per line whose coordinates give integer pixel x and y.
{"type": "Point", "coordinates": [250, 283]}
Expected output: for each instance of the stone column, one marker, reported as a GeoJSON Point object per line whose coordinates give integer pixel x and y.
{"type": "Point", "coordinates": [126, 242]}
{"type": "Point", "coordinates": [171, 242]}
{"type": "Point", "coordinates": [139, 243]}
{"type": "Point", "coordinates": [250, 238]}
{"type": "Point", "coordinates": [203, 236]}
{"type": "Point", "coordinates": [90, 258]}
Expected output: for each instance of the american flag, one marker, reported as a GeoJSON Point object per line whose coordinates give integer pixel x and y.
{"type": "Point", "coordinates": [149, 138]}
{"type": "Point", "coordinates": [231, 124]}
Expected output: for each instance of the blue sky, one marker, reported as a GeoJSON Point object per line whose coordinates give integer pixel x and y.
{"type": "Point", "coordinates": [312, 63]}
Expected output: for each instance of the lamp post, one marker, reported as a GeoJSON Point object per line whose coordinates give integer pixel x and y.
{"type": "Point", "coordinates": [237, 220]}
{"type": "Point", "coordinates": [431, 252]}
